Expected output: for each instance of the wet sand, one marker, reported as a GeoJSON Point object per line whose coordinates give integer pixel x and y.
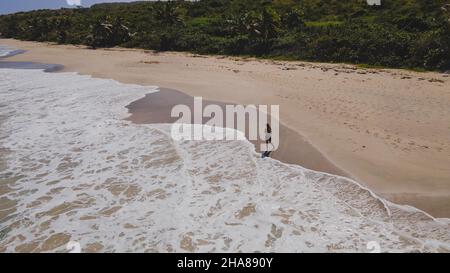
{"type": "Point", "coordinates": [31, 65]}
{"type": "Point", "coordinates": [12, 53]}
{"type": "Point", "coordinates": [293, 149]}
{"type": "Point", "coordinates": [389, 129]}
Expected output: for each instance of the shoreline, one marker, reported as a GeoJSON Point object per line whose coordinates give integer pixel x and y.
{"type": "Point", "coordinates": [414, 175]}
{"type": "Point", "coordinates": [82, 173]}
{"type": "Point", "coordinates": [294, 149]}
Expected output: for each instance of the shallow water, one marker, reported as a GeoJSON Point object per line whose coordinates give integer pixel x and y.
{"type": "Point", "coordinates": [6, 51]}
{"type": "Point", "coordinates": [31, 65]}
{"type": "Point", "coordinates": [75, 170]}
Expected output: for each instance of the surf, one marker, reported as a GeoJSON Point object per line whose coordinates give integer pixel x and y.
{"type": "Point", "coordinates": [77, 171]}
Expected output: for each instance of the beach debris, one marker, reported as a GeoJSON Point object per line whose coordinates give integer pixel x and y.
{"type": "Point", "coordinates": [150, 62]}
{"type": "Point", "coordinates": [288, 68]}
{"type": "Point", "coordinates": [198, 56]}
{"type": "Point", "coordinates": [435, 80]}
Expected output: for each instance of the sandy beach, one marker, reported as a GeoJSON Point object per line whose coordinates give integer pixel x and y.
{"type": "Point", "coordinates": [294, 149]}
{"type": "Point", "coordinates": [387, 129]}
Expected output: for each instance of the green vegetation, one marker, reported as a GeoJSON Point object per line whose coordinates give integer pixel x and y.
{"type": "Point", "coordinates": [399, 33]}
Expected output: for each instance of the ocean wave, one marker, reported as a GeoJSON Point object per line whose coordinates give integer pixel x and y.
{"type": "Point", "coordinates": [6, 51]}
{"type": "Point", "coordinates": [73, 169]}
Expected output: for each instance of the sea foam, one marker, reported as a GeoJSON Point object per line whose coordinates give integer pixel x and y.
{"type": "Point", "coordinates": [72, 169]}
{"type": "Point", "coordinates": [6, 51]}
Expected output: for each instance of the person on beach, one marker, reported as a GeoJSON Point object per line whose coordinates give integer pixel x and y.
{"type": "Point", "coordinates": [268, 139]}
{"type": "Point", "coordinates": [268, 136]}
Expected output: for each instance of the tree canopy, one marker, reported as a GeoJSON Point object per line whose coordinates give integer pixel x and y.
{"type": "Point", "coordinates": [399, 33]}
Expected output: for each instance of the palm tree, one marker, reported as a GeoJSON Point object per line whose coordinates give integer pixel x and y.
{"type": "Point", "coordinates": [168, 13]}
{"type": "Point", "coordinates": [243, 24]}
{"type": "Point", "coordinates": [119, 32]}
{"type": "Point", "coordinates": [61, 25]}
{"type": "Point", "coordinates": [105, 33]}
{"type": "Point", "coordinates": [32, 29]}
{"type": "Point", "coordinates": [269, 24]}
{"type": "Point", "coordinates": [263, 25]}
{"type": "Point", "coordinates": [293, 19]}
{"type": "Point", "coordinates": [10, 28]}
{"type": "Point", "coordinates": [446, 9]}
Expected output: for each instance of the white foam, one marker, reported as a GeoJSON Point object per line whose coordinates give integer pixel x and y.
{"type": "Point", "coordinates": [75, 167]}
{"type": "Point", "coordinates": [5, 51]}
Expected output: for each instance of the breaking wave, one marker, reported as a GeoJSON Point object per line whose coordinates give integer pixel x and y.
{"type": "Point", "coordinates": [72, 169]}
{"type": "Point", "coordinates": [6, 51]}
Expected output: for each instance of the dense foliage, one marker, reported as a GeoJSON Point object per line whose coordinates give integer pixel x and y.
{"type": "Point", "coordinates": [399, 33]}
